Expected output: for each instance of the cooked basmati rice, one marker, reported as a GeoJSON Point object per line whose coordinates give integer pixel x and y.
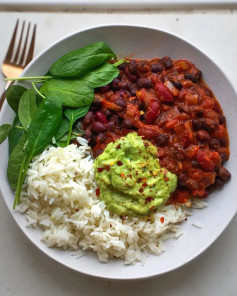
{"type": "Point", "coordinates": [59, 196]}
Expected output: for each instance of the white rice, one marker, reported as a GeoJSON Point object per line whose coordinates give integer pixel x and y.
{"type": "Point", "coordinates": [59, 196]}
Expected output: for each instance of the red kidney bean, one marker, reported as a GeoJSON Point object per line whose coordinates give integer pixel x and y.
{"type": "Point", "coordinates": [155, 68]}
{"type": "Point", "coordinates": [88, 135]}
{"type": "Point", "coordinates": [98, 127]}
{"type": "Point", "coordinates": [104, 88]}
{"type": "Point", "coordinates": [127, 123]}
{"type": "Point", "coordinates": [130, 76]}
{"type": "Point", "coordinates": [122, 66]}
{"type": "Point", "coordinates": [167, 62]}
{"type": "Point", "coordinates": [144, 83]}
{"type": "Point", "coordinates": [191, 77]}
{"type": "Point", "coordinates": [96, 105]}
{"type": "Point", "coordinates": [101, 138]}
{"type": "Point", "coordinates": [203, 136]}
{"type": "Point", "coordinates": [143, 66]}
{"type": "Point", "coordinates": [224, 174]}
{"type": "Point", "coordinates": [99, 116]}
{"type": "Point", "coordinates": [164, 93]}
{"type": "Point", "coordinates": [132, 66]}
{"type": "Point", "coordinates": [120, 102]}
{"type": "Point", "coordinates": [88, 118]}
{"type": "Point", "coordinates": [152, 112]}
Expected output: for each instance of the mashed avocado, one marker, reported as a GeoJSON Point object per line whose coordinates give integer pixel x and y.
{"type": "Point", "coordinates": [130, 178]}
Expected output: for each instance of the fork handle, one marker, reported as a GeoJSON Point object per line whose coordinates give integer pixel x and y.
{"type": "Point", "coordinates": [3, 96]}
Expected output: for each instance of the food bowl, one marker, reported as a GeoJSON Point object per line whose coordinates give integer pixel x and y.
{"type": "Point", "coordinates": [146, 43]}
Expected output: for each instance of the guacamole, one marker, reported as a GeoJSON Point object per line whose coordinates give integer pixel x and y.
{"type": "Point", "coordinates": [131, 181]}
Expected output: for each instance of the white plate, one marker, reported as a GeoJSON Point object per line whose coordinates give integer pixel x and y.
{"type": "Point", "coordinates": [222, 205]}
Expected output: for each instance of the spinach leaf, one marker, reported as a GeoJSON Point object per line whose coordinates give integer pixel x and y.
{"type": "Point", "coordinates": [27, 107]}
{"type": "Point", "coordinates": [71, 93]}
{"type": "Point", "coordinates": [43, 127]}
{"type": "Point", "coordinates": [73, 115]}
{"type": "Point", "coordinates": [4, 131]}
{"type": "Point", "coordinates": [15, 161]}
{"type": "Point", "coordinates": [39, 134]}
{"type": "Point", "coordinates": [63, 128]}
{"type": "Point", "coordinates": [101, 76]}
{"type": "Point", "coordinates": [78, 62]}
{"type": "Point", "coordinates": [15, 134]}
{"type": "Point", "coordinates": [13, 95]}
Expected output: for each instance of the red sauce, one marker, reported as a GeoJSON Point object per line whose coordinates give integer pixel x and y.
{"type": "Point", "coordinates": [167, 103]}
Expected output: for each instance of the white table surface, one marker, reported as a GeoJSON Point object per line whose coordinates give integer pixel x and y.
{"type": "Point", "coordinates": [25, 271]}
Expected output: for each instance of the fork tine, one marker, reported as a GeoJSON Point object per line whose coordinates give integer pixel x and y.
{"type": "Point", "coordinates": [31, 49]}
{"type": "Point", "coordinates": [19, 44]}
{"type": "Point", "coordinates": [24, 48]}
{"type": "Point", "coordinates": [12, 43]}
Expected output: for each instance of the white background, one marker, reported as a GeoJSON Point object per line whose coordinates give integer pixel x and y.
{"type": "Point", "coordinates": [25, 271]}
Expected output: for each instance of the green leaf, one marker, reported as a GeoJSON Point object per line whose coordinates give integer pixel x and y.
{"type": "Point", "coordinates": [71, 93]}
{"type": "Point", "coordinates": [78, 62]}
{"type": "Point", "coordinates": [43, 127]}
{"type": "Point", "coordinates": [63, 128]}
{"type": "Point", "coordinates": [15, 161]}
{"type": "Point", "coordinates": [27, 107]}
{"type": "Point", "coordinates": [13, 95]}
{"type": "Point", "coordinates": [4, 131]}
{"type": "Point", "coordinates": [101, 76]}
{"type": "Point", "coordinates": [15, 134]}
{"type": "Point", "coordinates": [75, 114]}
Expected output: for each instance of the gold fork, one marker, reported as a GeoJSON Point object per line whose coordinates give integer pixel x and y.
{"type": "Point", "coordinates": [18, 55]}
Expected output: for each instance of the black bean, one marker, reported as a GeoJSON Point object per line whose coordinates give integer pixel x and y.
{"type": "Point", "coordinates": [177, 84]}
{"type": "Point", "coordinates": [224, 157]}
{"type": "Point", "coordinates": [132, 66]}
{"type": "Point", "coordinates": [191, 77]}
{"type": "Point", "coordinates": [88, 135]}
{"type": "Point", "coordinates": [122, 66]}
{"type": "Point", "coordinates": [98, 127]}
{"type": "Point", "coordinates": [167, 62]}
{"type": "Point", "coordinates": [223, 142]}
{"type": "Point", "coordinates": [224, 174]}
{"type": "Point", "coordinates": [203, 123]}
{"type": "Point", "coordinates": [155, 68]}
{"type": "Point", "coordinates": [194, 164]}
{"type": "Point", "coordinates": [198, 74]}
{"type": "Point", "coordinates": [88, 118]}
{"type": "Point", "coordinates": [183, 109]}
{"type": "Point", "coordinates": [130, 76]}
{"type": "Point", "coordinates": [144, 83]}
{"type": "Point", "coordinates": [182, 180]}
{"type": "Point", "coordinates": [114, 118]}
{"type": "Point", "coordinates": [108, 113]}
{"type": "Point", "coordinates": [127, 123]}
{"type": "Point", "coordinates": [162, 140]}
{"type": "Point", "coordinates": [219, 183]}
{"type": "Point", "coordinates": [222, 119]}
{"type": "Point", "coordinates": [120, 102]}
{"type": "Point", "coordinates": [116, 84]}
{"type": "Point", "coordinates": [111, 126]}
{"type": "Point", "coordinates": [96, 105]}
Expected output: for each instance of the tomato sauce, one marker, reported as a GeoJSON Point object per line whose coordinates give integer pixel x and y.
{"type": "Point", "coordinates": [167, 102]}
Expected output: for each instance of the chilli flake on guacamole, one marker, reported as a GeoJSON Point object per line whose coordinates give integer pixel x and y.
{"type": "Point", "coordinates": [130, 178]}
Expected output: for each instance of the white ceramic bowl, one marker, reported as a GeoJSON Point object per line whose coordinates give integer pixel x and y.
{"type": "Point", "coordinates": [142, 43]}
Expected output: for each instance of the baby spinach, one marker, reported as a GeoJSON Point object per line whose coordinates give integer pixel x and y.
{"type": "Point", "coordinates": [39, 134]}
{"type": "Point", "coordinates": [13, 95]}
{"type": "Point", "coordinates": [79, 62]}
{"type": "Point", "coordinates": [73, 115]}
{"type": "Point", "coordinates": [15, 134]}
{"type": "Point", "coordinates": [71, 93]}
{"type": "Point", "coordinates": [101, 76]}
{"type": "Point", "coordinates": [4, 131]}
{"type": "Point", "coordinates": [27, 107]}
{"type": "Point", "coordinates": [15, 161]}
{"type": "Point", "coordinates": [63, 128]}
